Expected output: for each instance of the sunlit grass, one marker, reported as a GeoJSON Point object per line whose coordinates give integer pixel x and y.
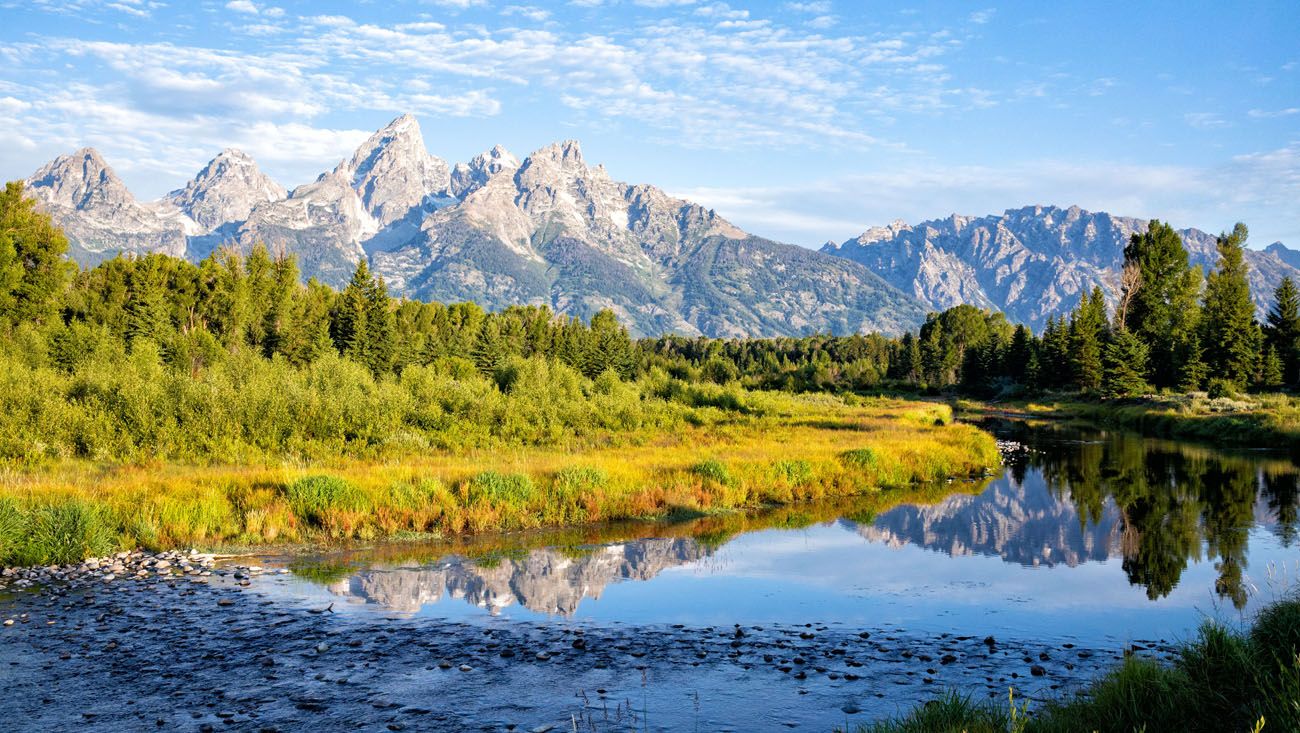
{"type": "Point", "coordinates": [791, 454]}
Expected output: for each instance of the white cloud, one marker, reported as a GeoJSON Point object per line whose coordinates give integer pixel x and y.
{"type": "Point", "coordinates": [815, 7]}
{"type": "Point", "coordinates": [980, 17]}
{"type": "Point", "coordinates": [1205, 120]}
{"type": "Point", "coordinates": [1265, 113]}
{"type": "Point", "coordinates": [242, 6]}
{"type": "Point", "coordinates": [527, 11]}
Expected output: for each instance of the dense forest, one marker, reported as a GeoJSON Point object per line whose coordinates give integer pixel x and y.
{"type": "Point", "coordinates": [235, 355]}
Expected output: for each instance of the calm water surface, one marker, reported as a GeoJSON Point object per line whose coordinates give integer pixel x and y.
{"type": "Point", "coordinates": [799, 618]}
{"type": "Point", "coordinates": [1101, 537]}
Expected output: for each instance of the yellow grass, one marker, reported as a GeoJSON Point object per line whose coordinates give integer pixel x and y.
{"type": "Point", "coordinates": [810, 449]}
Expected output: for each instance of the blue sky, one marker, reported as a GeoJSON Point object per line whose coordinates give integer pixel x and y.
{"type": "Point", "coordinates": [802, 121]}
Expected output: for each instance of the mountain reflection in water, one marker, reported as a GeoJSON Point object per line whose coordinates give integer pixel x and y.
{"type": "Point", "coordinates": [543, 580]}
{"type": "Point", "coordinates": [1070, 498]}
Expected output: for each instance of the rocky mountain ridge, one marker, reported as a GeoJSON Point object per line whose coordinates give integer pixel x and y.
{"type": "Point", "coordinates": [1032, 262]}
{"type": "Point", "coordinates": [549, 229]}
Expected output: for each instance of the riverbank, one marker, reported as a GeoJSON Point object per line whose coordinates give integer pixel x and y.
{"type": "Point", "coordinates": [1224, 679]}
{"type": "Point", "coordinates": [799, 449]}
{"type": "Point", "coordinates": [1250, 421]}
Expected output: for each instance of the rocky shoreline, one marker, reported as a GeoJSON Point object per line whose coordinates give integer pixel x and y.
{"type": "Point", "coordinates": [182, 641]}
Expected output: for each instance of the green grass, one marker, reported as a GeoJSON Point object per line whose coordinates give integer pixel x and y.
{"type": "Point", "coordinates": [1223, 680]}
{"type": "Point", "coordinates": [76, 508]}
{"type": "Point", "coordinates": [58, 534]}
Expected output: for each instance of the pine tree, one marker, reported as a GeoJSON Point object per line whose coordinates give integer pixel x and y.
{"type": "Point", "coordinates": [381, 347]}
{"type": "Point", "coordinates": [147, 309]}
{"type": "Point", "coordinates": [363, 321]}
{"type": "Point", "coordinates": [1087, 336]}
{"type": "Point", "coordinates": [1162, 299]}
{"type": "Point", "coordinates": [1230, 336]}
{"type": "Point", "coordinates": [1126, 365]}
{"type": "Point", "coordinates": [1019, 354]}
{"type": "Point", "coordinates": [1283, 330]}
{"type": "Point", "coordinates": [1194, 371]}
{"type": "Point", "coordinates": [1270, 370]}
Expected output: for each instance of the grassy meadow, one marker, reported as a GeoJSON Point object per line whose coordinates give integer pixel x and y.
{"type": "Point", "coordinates": [757, 450]}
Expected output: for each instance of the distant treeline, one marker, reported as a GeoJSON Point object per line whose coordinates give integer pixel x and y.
{"type": "Point", "coordinates": [1173, 329]}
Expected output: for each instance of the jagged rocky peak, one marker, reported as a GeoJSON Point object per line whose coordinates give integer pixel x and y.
{"type": "Point", "coordinates": [876, 234]}
{"type": "Point", "coordinates": [80, 181]}
{"type": "Point", "coordinates": [394, 173]}
{"type": "Point", "coordinates": [469, 177]}
{"type": "Point", "coordinates": [226, 190]}
{"type": "Point", "coordinates": [557, 160]}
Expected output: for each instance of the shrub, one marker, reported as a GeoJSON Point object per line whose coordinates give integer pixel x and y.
{"type": "Point", "coordinates": [574, 480]}
{"type": "Point", "coordinates": [1221, 388]}
{"type": "Point", "coordinates": [509, 489]}
{"type": "Point", "coordinates": [712, 470]}
{"type": "Point", "coordinates": [794, 472]}
{"type": "Point", "coordinates": [65, 533]}
{"type": "Point", "coordinates": [860, 458]}
{"type": "Point", "coordinates": [315, 498]}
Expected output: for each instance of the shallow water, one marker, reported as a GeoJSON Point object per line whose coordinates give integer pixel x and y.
{"type": "Point", "coordinates": [1091, 542]}
{"type": "Point", "coordinates": [1099, 537]}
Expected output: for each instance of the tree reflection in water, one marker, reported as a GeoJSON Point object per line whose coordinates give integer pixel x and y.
{"type": "Point", "coordinates": [1175, 500]}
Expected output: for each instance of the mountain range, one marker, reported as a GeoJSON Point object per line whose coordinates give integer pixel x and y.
{"type": "Point", "coordinates": [1031, 263]}
{"type": "Point", "coordinates": [549, 229]}
{"type": "Point", "coordinates": [552, 229]}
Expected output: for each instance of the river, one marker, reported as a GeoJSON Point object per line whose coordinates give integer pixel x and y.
{"type": "Point", "coordinates": [1088, 544]}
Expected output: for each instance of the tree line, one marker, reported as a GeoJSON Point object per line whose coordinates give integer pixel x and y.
{"type": "Point", "coordinates": [1172, 328]}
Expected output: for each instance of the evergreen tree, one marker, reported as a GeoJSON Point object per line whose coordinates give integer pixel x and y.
{"type": "Point", "coordinates": [380, 346]}
{"type": "Point", "coordinates": [1283, 330]}
{"type": "Point", "coordinates": [1162, 304]}
{"type": "Point", "coordinates": [1054, 357]}
{"type": "Point", "coordinates": [1019, 354]}
{"type": "Point", "coordinates": [147, 309]}
{"type": "Point", "coordinates": [1270, 369]}
{"type": "Point", "coordinates": [1087, 336]}
{"type": "Point", "coordinates": [1126, 365]}
{"type": "Point", "coordinates": [1194, 370]}
{"type": "Point", "coordinates": [1229, 335]}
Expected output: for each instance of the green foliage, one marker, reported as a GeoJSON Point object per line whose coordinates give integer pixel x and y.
{"type": "Point", "coordinates": [1163, 311]}
{"type": "Point", "coordinates": [1220, 681]}
{"type": "Point", "coordinates": [950, 713]}
{"type": "Point", "coordinates": [512, 490]}
{"type": "Point", "coordinates": [1087, 334]}
{"type": "Point", "coordinates": [1126, 361]}
{"type": "Point", "coordinates": [713, 470]}
{"type": "Point", "coordinates": [1283, 330]}
{"type": "Point", "coordinates": [315, 498]}
{"type": "Point", "coordinates": [56, 534]}
{"type": "Point", "coordinates": [860, 458]}
{"type": "Point", "coordinates": [794, 472]}
{"type": "Point", "coordinates": [32, 269]}
{"type": "Point", "coordinates": [1229, 333]}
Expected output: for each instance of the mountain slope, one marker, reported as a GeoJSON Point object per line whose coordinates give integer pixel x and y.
{"type": "Point", "coordinates": [100, 216]}
{"type": "Point", "coordinates": [1031, 262]}
{"type": "Point", "coordinates": [554, 230]}
{"type": "Point", "coordinates": [498, 231]}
